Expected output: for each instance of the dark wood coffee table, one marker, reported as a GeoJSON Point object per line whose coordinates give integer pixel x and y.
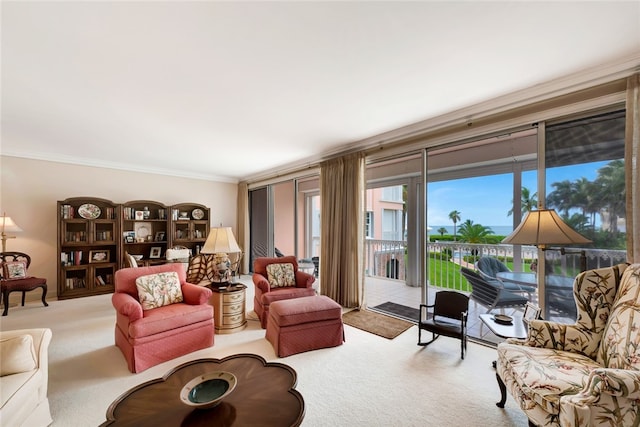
{"type": "Point", "coordinates": [264, 396]}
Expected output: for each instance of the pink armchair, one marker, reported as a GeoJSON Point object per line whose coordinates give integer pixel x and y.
{"type": "Point", "coordinates": [149, 337]}
{"type": "Point", "coordinates": [265, 294]}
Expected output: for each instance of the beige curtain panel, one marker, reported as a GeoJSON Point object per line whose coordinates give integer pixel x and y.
{"type": "Point", "coordinates": [632, 172]}
{"type": "Point", "coordinates": [242, 220]}
{"type": "Point", "coordinates": [342, 232]}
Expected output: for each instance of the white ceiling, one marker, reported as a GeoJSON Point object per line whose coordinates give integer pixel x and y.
{"type": "Point", "coordinates": [227, 90]}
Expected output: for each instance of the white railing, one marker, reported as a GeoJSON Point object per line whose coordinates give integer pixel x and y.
{"type": "Point", "coordinates": [387, 258]}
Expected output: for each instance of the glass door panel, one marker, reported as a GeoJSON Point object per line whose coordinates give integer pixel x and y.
{"type": "Point", "coordinates": [585, 184]}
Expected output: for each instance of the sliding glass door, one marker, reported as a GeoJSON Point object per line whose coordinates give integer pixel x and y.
{"type": "Point", "coordinates": [585, 184]}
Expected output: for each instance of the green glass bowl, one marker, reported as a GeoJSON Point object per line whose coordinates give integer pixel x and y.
{"type": "Point", "coordinates": [207, 390]}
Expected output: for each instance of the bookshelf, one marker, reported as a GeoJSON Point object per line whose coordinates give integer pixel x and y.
{"type": "Point", "coordinates": [88, 246]}
{"type": "Point", "coordinates": [94, 234]}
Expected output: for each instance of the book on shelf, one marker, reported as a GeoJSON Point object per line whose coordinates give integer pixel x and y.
{"type": "Point", "coordinates": [67, 211]}
{"type": "Point", "coordinates": [74, 283]}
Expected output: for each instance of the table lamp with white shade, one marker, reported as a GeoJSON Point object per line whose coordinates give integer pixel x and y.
{"type": "Point", "coordinates": [220, 243]}
{"type": "Point", "coordinates": [8, 225]}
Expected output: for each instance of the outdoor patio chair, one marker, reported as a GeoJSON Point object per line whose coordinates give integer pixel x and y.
{"type": "Point", "coordinates": [491, 294]}
{"type": "Point", "coordinates": [448, 317]}
{"type": "Point", "coordinates": [489, 267]}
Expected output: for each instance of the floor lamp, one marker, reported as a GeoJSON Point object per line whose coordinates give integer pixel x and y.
{"type": "Point", "coordinates": [544, 227]}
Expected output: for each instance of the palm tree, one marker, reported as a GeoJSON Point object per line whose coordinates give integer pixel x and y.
{"type": "Point", "coordinates": [562, 197]}
{"type": "Point", "coordinates": [611, 182]}
{"type": "Point", "coordinates": [455, 217]}
{"type": "Point", "coordinates": [528, 201]}
{"type": "Point", "coordinates": [578, 222]}
{"type": "Point", "coordinates": [474, 233]}
{"type": "Point", "coordinates": [585, 197]}
{"type": "Point", "coordinates": [442, 230]}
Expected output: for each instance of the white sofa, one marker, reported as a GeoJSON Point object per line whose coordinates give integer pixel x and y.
{"type": "Point", "coordinates": [23, 395]}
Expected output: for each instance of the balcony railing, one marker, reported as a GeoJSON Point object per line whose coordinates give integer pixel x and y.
{"type": "Point", "coordinates": [387, 259]}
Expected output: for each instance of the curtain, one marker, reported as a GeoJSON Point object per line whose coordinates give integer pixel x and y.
{"type": "Point", "coordinates": [632, 168]}
{"type": "Point", "coordinates": [342, 231]}
{"type": "Point", "coordinates": [242, 220]}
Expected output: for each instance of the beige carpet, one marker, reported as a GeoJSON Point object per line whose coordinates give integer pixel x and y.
{"type": "Point", "coordinates": [368, 381]}
{"type": "Point", "coordinates": [376, 323]}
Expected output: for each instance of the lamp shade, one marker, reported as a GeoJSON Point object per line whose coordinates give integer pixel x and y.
{"type": "Point", "coordinates": [544, 227]}
{"type": "Point", "coordinates": [9, 225]}
{"type": "Point", "coordinates": [220, 240]}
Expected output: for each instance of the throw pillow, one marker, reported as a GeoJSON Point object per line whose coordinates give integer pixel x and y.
{"type": "Point", "coordinates": [157, 290]}
{"type": "Point", "coordinates": [18, 355]}
{"type": "Point", "coordinates": [281, 275]}
{"type": "Point", "coordinates": [14, 270]}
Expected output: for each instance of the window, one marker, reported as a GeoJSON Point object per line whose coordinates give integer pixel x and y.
{"type": "Point", "coordinates": [585, 184]}
{"type": "Point", "coordinates": [392, 194]}
{"type": "Point", "coordinates": [368, 225]}
{"type": "Point", "coordinates": [391, 224]}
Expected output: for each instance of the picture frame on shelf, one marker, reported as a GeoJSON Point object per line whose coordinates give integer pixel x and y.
{"type": "Point", "coordinates": [531, 312]}
{"type": "Point", "coordinates": [143, 231]}
{"type": "Point", "coordinates": [156, 251]}
{"type": "Point", "coordinates": [139, 215]}
{"type": "Point", "coordinates": [98, 256]}
{"type": "Point", "coordinates": [159, 236]}
{"type": "Point", "coordinates": [129, 236]}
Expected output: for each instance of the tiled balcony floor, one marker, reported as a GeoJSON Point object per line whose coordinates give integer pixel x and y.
{"type": "Point", "coordinates": [380, 290]}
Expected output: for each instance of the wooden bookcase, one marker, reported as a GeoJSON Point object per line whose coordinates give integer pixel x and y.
{"type": "Point", "coordinates": [94, 234]}
{"type": "Point", "coordinates": [144, 231]}
{"type": "Point", "coordinates": [189, 226]}
{"type": "Point", "coordinates": [88, 246]}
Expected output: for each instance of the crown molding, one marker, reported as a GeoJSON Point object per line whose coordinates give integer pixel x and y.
{"type": "Point", "coordinates": [585, 79]}
{"type": "Point", "coordinates": [80, 161]}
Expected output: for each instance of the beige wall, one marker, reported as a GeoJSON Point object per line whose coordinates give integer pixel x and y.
{"type": "Point", "coordinates": [30, 189]}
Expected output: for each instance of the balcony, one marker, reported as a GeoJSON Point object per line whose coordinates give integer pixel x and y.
{"type": "Point", "coordinates": [385, 273]}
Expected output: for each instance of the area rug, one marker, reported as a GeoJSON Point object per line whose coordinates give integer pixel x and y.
{"type": "Point", "coordinates": [376, 323]}
{"type": "Point", "coordinates": [398, 310]}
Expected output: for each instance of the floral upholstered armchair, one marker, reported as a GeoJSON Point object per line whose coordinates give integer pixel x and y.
{"type": "Point", "coordinates": [588, 373]}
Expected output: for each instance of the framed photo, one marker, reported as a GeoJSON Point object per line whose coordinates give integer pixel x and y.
{"type": "Point", "coordinates": [155, 252]}
{"type": "Point", "coordinates": [159, 236]}
{"type": "Point", "coordinates": [129, 236]}
{"type": "Point", "coordinates": [139, 215]}
{"type": "Point", "coordinates": [98, 256]}
{"type": "Point", "coordinates": [143, 231]}
{"type": "Point", "coordinates": [531, 312]}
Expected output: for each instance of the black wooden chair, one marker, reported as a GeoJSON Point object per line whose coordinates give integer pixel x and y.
{"type": "Point", "coordinates": [20, 281]}
{"type": "Point", "coordinates": [448, 317]}
{"type": "Point", "coordinates": [491, 293]}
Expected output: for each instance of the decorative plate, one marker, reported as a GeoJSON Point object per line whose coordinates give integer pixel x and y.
{"type": "Point", "coordinates": [503, 319]}
{"type": "Point", "coordinates": [197, 214]}
{"type": "Point", "coordinates": [208, 390]}
{"type": "Point", "coordinates": [89, 211]}
{"type": "Point", "coordinates": [142, 229]}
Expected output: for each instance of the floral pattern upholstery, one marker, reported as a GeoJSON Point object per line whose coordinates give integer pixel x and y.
{"type": "Point", "coordinates": [160, 289]}
{"type": "Point", "coordinates": [281, 275]}
{"type": "Point", "coordinates": [587, 373]}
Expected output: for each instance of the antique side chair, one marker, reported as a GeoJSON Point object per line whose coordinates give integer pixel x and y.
{"type": "Point", "coordinates": [14, 278]}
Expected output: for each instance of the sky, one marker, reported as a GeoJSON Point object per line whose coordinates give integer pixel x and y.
{"type": "Point", "coordinates": [487, 200]}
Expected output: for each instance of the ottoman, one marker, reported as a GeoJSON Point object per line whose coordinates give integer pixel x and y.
{"type": "Point", "coordinates": [303, 324]}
